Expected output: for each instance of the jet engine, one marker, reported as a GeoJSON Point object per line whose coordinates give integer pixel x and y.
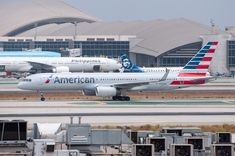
{"type": "Point", "coordinates": [89, 92]}
{"type": "Point", "coordinates": [60, 69]}
{"type": "Point", "coordinates": [106, 91]}
{"type": "Point", "coordinates": [96, 68]}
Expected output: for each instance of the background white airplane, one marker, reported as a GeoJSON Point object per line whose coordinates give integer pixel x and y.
{"type": "Point", "coordinates": [58, 64]}
{"type": "Point", "coordinates": [117, 84]}
{"type": "Point", "coordinates": [128, 66]}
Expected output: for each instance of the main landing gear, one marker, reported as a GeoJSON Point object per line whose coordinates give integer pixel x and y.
{"type": "Point", "coordinates": [121, 98]}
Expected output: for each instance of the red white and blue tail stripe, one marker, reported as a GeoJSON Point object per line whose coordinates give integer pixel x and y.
{"type": "Point", "coordinates": [197, 67]}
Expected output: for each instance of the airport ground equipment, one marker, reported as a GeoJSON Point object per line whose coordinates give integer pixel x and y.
{"type": "Point", "coordinates": [79, 137]}
{"type": "Point", "coordinates": [13, 132]}
{"type": "Point", "coordinates": [182, 131]}
{"type": "Point", "coordinates": [13, 137]}
{"type": "Point", "coordinates": [139, 137]}
{"type": "Point", "coordinates": [133, 135]}
{"type": "Point", "coordinates": [181, 150]}
{"type": "Point", "coordinates": [46, 130]}
{"type": "Point", "coordinates": [160, 145]}
{"type": "Point", "coordinates": [197, 142]}
{"type": "Point", "coordinates": [223, 137]}
{"type": "Point", "coordinates": [143, 150]}
{"type": "Point", "coordinates": [198, 145]}
{"type": "Point", "coordinates": [46, 147]}
{"type": "Point", "coordinates": [222, 150]}
{"type": "Point", "coordinates": [88, 140]}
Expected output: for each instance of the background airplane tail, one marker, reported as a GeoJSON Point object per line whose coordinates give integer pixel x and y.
{"type": "Point", "coordinates": [128, 66]}
{"type": "Point", "coordinates": [198, 66]}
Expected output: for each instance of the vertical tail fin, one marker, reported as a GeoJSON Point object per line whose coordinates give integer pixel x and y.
{"type": "Point", "coordinates": [128, 66]}
{"type": "Point", "coordinates": [196, 70]}
{"type": "Point", "coordinates": [199, 64]}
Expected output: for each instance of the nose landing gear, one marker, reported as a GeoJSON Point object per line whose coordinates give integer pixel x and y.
{"type": "Point", "coordinates": [42, 97]}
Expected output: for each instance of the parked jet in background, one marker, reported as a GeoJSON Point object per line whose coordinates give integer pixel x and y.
{"type": "Point", "coordinates": [128, 66]}
{"type": "Point", "coordinates": [58, 64]}
{"type": "Point", "coordinates": [115, 85]}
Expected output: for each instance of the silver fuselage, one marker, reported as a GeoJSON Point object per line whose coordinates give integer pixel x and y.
{"type": "Point", "coordinates": [75, 64]}
{"type": "Point", "coordinates": [90, 81]}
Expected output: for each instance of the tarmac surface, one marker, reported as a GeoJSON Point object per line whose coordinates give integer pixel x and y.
{"type": "Point", "coordinates": [163, 112]}
{"type": "Point", "coordinates": [209, 104]}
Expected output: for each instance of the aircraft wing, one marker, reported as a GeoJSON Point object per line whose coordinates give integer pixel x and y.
{"type": "Point", "coordinates": [128, 85]}
{"type": "Point", "coordinates": [37, 65]}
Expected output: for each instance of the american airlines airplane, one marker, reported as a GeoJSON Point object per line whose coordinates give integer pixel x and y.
{"type": "Point", "coordinates": [58, 64]}
{"type": "Point", "coordinates": [116, 85]}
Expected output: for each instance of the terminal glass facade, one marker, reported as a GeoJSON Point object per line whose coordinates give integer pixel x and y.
{"type": "Point", "coordinates": [103, 48]}
{"type": "Point", "coordinates": [146, 60]}
{"type": "Point", "coordinates": [174, 58]}
{"type": "Point", "coordinates": [88, 48]}
{"type": "Point", "coordinates": [15, 46]}
{"type": "Point", "coordinates": [52, 46]}
{"type": "Point", "coordinates": [113, 49]}
{"type": "Point", "coordinates": [180, 55]}
{"type": "Point", "coordinates": [231, 53]}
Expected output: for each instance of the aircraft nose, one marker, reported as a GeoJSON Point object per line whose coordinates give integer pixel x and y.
{"type": "Point", "coordinates": [21, 85]}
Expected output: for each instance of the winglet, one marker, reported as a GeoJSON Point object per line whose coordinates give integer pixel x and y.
{"type": "Point", "coordinates": [165, 75]}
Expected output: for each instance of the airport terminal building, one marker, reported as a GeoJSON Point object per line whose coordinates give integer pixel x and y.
{"type": "Point", "coordinates": [148, 43]}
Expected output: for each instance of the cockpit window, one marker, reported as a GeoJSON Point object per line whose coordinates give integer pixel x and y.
{"type": "Point", "coordinates": [27, 80]}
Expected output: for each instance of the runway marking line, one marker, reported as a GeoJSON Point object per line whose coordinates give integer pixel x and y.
{"type": "Point", "coordinates": [171, 103]}
{"type": "Point", "coordinates": [5, 83]}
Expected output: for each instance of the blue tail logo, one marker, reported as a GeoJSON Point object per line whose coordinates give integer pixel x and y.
{"type": "Point", "coordinates": [128, 66]}
{"type": "Point", "coordinates": [126, 62]}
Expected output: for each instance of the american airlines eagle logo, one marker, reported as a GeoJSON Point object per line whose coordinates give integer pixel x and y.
{"type": "Point", "coordinates": [48, 79]}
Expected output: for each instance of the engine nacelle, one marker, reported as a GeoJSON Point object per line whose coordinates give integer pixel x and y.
{"type": "Point", "coordinates": [89, 92]}
{"type": "Point", "coordinates": [61, 69]}
{"type": "Point", "coordinates": [106, 91]}
{"type": "Point", "coordinates": [96, 68]}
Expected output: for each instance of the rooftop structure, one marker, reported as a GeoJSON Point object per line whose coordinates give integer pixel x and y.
{"type": "Point", "coordinates": [152, 37]}
{"type": "Point", "coordinates": [20, 16]}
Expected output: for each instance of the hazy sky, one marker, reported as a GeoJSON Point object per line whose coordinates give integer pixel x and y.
{"type": "Point", "coordinates": [221, 11]}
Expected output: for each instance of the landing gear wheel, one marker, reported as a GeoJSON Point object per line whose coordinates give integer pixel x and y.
{"type": "Point", "coordinates": [43, 99]}
{"type": "Point", "coordinates": [121, 98]}
{"type": "Point", "coordinates": [115, 98]}
{"type": "Point", "coordinates": [127, 98]}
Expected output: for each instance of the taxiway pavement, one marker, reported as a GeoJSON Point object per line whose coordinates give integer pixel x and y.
{"type": "Point", "coordinates": [219, 107]}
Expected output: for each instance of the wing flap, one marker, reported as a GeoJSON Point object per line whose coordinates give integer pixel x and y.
{"type": "Point", "coordinates": [129, 85]}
